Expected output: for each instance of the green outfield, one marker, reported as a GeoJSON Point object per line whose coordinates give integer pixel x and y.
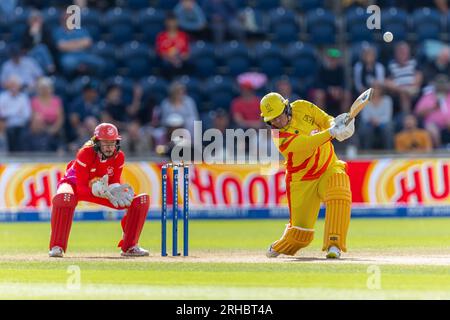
{"type": "Point", "coordinates": [387, 259]}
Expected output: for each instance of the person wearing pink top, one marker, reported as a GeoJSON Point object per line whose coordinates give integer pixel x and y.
{"type": "Point", "coordinates": [48, 107]}
{"type": "Point", "coordinates": [434, 108]}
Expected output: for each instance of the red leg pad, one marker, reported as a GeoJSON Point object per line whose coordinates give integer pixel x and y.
{"type": "Point", "coordinates": [63, 208]}
{"type": "Point", "coordinates": [133, 221]}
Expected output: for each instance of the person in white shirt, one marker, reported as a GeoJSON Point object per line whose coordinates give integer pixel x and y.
{"type": "Point", "coordinates": [15, 112]}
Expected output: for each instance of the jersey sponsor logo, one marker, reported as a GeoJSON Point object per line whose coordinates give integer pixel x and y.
{"type": "Point", "coordinates": [110, 171]}
{"type": "Point", "coordinates": [307, 118]}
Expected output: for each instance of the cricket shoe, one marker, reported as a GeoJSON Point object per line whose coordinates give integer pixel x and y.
{"type": "Point", "coordinates": [135, 251]}
{"type": "Point", "coordinates": [270, 253]}
{"type": "Point", "coordinates": [333, 253]}
{"type": "Point", "coordinates": [56, 252]}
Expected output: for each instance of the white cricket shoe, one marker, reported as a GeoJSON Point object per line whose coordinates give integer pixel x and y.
{"type": "Point", "coordinates": [333, 253]}
{"type": "Point", "coordinates": [56, 252]}
{"type": "Point", "coordinates": [135, 251]}
{"type": "Point", "coordinates": [270, 253]}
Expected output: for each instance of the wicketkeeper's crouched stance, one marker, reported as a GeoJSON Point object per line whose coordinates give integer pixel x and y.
{"type": "Point", "coordinates": [94, 176]}
{"type": "Point", "coordinates": [303, 133]}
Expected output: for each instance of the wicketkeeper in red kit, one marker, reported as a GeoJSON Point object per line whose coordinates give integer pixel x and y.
{"type": "Point", "coordinates": [94, 176]}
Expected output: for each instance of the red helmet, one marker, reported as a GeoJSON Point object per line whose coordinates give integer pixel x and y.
{"type": "Point", "coordinates": [106, 131]}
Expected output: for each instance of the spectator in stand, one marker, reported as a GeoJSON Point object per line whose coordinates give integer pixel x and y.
{"type": "Point", "coordinates": [434, 108]}
{"type": "Point", "coordinates": [191, 18]}
{"type": "Point", "coordinates": [439, 65]}
{"type": "Point", "coordinates": [114, 108]}
{"type": "Point", "coordinates": [73, 46]}
{"type": "Point", "coordinates": [376, 121]}
{"type": "Point", "coordinates": [3, 137]}
{"type": "Point", "coordinates": [180, 103]}
{"type": "Point", "coordinates": [245, 110]}
{"type": "Point", "coordinates": [223, 17]}
{"type": "Point", "coordinates": [38, 42]}
{"type": "Point", "coordinates": [84, 115]}
{"type": "Point", "coordinates": [283, 86]}
{"type": "Point", "coordinates": [172, 46]}
{"type": "Point", "coordinates": [7, 8]}
{"type": "Point", "coordinates": [15, 111]}
{"type": "Point", "coordinates": [330, 93]}
{"type": "Point", "coordinates": [25, 68]}
{"type": "Point", "coordinates": [367, 70]}
{"type": "Point", "coordinates": [404, 79]}
{"type": "Point", "coordinates": [49, 109]}
{"type": "Point", "coordinates": [412, 138]}
{"type": "Point", "coordinates": [37, 138]}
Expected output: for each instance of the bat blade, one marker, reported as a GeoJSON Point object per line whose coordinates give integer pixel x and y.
{"type": "Point", "coordinates": [359, 104]}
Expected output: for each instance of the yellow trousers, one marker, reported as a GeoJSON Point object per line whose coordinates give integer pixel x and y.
{"type": "Point", "coordinates": [333, 188]}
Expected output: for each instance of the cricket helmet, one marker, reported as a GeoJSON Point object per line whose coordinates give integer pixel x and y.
{"type": "Point", "coordinates": [106, 131]}
{"type": "Point", "coordinates": [272, 105]}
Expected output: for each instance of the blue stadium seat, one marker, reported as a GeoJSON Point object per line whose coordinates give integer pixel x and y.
{"type": "Point", "coordinates": [303, 59]}
{"type": "Point", "coordinates": [356, 25]}
{"type": "Point", "coordinates": [167, 4]}
{"type": "Point", "coordinates": [4, 30]}
{"type": "Point", "coordinates": [235, 57]}
{"type": "Point", "coordinates": [260, 28]}
{"type": "Point", "coordinates": [157, 87]}
{"type": "Point", "coordinates": [4, 52]}
{"type": "Point", "coordinates": [126, 84]}
{"type": "Point", "coordinates": [395, 20]}
{"type": "Point", "coordinates": [91, 20]}
{"type": "Point", "coordinates": [60, 84]}
{"type": "Point", "coordinates": [118, 23]}
{"type": "Point", "coordinates": [150, 22]}
{"type": "Point", "coordinates": [321, 27]}
{"type": "Point", "coordinates": [137, 59]}
{"type": "Point", "coordinates": [427, 24]}
{"type": "Point", "coordinates": [52, 17]}
{"type": "Point", "coordinates": [307, 5]}
{"type": "Point", "coordinates": [220, 91]}
{"type": "Point", "coordinates": [108, 52]}
{"type": "Point", "coordinates": [137, 4]}
{"type": "Point", "coordinates": [266, 5]}
{"type": "Point", "coordinates": [240, 3]}
{"type": "Point", "coordinates": [269, 59]}
{"type": "Point", "coordinates": [75, 88]}
{"type": "Point", "coordinates": [203, 59]}
{"type": "Point", "coordinates": [20, 23]}
{"type": "Point", "coordinates": [193, 88]}
{"type": "Point", "coordinates": [283, 25]}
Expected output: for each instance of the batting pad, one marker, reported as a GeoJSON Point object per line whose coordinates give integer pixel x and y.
{"type": "Point", "coordinates": [61, 221]}
{"type": "Point", "coordinates": [338, 202]}
{"type": "Point", "coordinates": [293, 239]}
{"type": "Point", "coordinates": [133, 221]}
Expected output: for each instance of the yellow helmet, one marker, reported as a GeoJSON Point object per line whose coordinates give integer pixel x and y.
{"type": "Point", "coordinates": [272, 105]}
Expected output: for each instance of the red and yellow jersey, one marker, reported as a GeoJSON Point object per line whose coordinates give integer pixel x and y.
{"type": "Point", "coordinates": [88, 165]}
{"type": "Point", "coordinates": [305, 142]}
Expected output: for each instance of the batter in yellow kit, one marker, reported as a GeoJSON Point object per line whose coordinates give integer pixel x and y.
{"type": "Point", "coordinates": [303, 133]}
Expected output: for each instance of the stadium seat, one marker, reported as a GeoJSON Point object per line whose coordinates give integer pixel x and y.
{"type": "Point", "coordinates": [108, 52]}
{"type": "Point", "coordinates": [60, 85]}
{"type": "Point", "coordinates": [91, 20]}
{"type": "Point", "coordinates": [356, 25]}
{"type": "Point", "coordinates": [219, 92]}
{"type": "Point", "coordinates": [126, 84]}
{"type": "Point", "coordinates": [52, 17]}
{"type": "Point", "coordinates": [166, 4]}
{"type": "Point", "coordinates": [137, 4]}
{"type": "Point", "coordinates": [395, 20]}
{"type": "Point", "coordinates": [283, 25]}
{"type": "Point", "coordinates": [203, 59]}
{"type": "Point", "coordinates": [235, 57]}
{"type": "Point", "coordinates": [321, 27]}
{"type": "Point", "coordinates": [303, 59]}
{"type": "Point", "coordinates": [4, 54]}
{"type": "Point", "coordinates": [258, 27]}
{"type": "Point", "coordinates": [150, 22]}
{"type": "Point", "coordinates": [266, 5]}
{"type": "Point", "coordinates": [157, 87]}
{"type": "Point", "coordinates": [75, 88]}
{"type": "Point", "coordinates": [137, 59]}
{"type": "Point", "coordinates": [269, 59]}
{"type": "Point", "coordinates": [426, 24]}
{"type": "Point", "coordinates": [20, 23]}
{"type": "Point", "coordinates": [118, 23]}
{"type": "Point", "coordinates": [239, 4]}
{"type": "Point", "coordinates": [307, 5]}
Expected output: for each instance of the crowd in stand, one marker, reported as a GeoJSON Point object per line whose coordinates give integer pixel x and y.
{"type": "Point", "coordinates": [410, 109]}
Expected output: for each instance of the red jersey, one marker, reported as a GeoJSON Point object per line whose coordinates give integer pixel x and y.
{"type": "Point", "coordinates": [89, 165]}
{"type": "Point", "coordinates": [168, 46]}
{"type": "Point", "coordinates": [247, 108]}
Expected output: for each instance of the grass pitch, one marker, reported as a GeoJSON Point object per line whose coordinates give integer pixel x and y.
{"type": "Point", "coordinates": [387, 259]}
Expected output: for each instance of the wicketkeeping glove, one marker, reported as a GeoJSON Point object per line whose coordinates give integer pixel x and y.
{"type": "Point", "coordinates": [123, 194]}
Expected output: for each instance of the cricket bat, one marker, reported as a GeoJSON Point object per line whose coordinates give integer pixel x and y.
{"type": "Point", "coordinates": [359, 104]}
